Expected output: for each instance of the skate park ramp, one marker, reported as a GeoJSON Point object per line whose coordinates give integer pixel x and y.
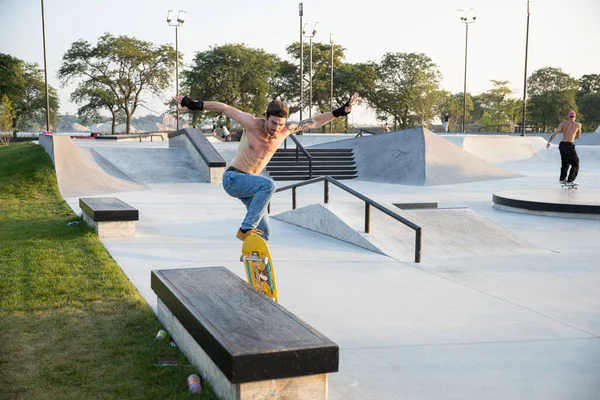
{"type": "Point", "coordinates": [589, 139]}
{"type": "Point", "coordinates": [446, 233]}
{"type": "Point", "coordinates": [76, 175]}
{"type": "Point", "coordinates": [498, 149]}
{"type": "Point", "coordinates": [151, 166]}
{"type": "Point", "coordinates": [416, 157]}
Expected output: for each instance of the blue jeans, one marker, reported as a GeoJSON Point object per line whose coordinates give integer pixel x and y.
{"type": "Point", "coordinates": [255, 192]}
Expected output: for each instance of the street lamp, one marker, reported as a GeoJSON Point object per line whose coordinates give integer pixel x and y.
{"type": "Point", "coordinates": [525, 77]}
{"type": "Point", "coordinates": [301, 12]}
{"type": "Point", "coordinates": [467, 20]}
{"type": "Point", "coordinates": [331, 75]}
{"type": "Point", "coordinates": [180, 21]}
{"type": "Point", "coordinates": [46, 71]}
{"type": "Point", "coordinates": [310, 38]}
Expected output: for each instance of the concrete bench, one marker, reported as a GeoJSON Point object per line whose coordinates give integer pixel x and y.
{"type": "Point", "coordinates": [245, 344]}
{"type": "Point", "coordinates": [109, 216]}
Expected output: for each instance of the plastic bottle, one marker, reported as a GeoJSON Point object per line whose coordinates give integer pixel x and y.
{"type": "Point", "coordinates": [194, 384]}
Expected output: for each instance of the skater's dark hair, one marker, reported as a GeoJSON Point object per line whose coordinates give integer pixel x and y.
{"type": "Point", "coordinates": [277, 108]}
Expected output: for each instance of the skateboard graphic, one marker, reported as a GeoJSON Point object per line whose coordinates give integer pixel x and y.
{"type": "Point", "coordinates": [569, 185]}
{"type": "Point", "coordinates": [259, 265]}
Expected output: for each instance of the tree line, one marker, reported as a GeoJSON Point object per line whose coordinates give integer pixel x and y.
{"type": "Point", "coordinates": [402, 88]}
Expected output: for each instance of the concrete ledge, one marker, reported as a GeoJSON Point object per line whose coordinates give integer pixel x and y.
{"type": "Point", "coordinates": [109, 216]}
{"type": "Point", "coordinates": [246, 345]}
{"type": "Point", "coordinates": [205, 157]}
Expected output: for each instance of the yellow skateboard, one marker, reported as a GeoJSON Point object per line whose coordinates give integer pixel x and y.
{"type": "Point", "coordinates": [259, 266]}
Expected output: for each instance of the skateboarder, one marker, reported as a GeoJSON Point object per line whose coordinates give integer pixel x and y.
{"type": "Point", "coordinates": [261, 139]}
{"type": "Point", "coordinates": [570, 130]}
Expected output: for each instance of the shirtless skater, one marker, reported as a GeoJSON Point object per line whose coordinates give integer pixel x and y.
{"type": "Point", "coordinates": [570, 130]}
{"type": "Point", "coordinates": [261, 139]}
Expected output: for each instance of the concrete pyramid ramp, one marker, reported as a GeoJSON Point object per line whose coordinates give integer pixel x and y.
{"type": "Point", "coordinates": [76, 175]}
{"type": "Point", "coordinates": [416, 157]}
{"type": "Point", "coordinates": [447, 233]}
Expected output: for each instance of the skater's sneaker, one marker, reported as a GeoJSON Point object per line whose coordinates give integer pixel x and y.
{"type": "Point", "coordinates": [562, 181]}
{"type": "Point", "coordinates": [243, 235]}
{"type": "Point", "coordinates": [572, 183]}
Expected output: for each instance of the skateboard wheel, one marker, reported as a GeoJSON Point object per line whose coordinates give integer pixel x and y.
{"type": "Point", "coordinates": [242, 258]}
{"type": "Point", "coordinates": [264, 260]}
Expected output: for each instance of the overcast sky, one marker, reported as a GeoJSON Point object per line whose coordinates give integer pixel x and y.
{"type": "Point", "coordinates": [562, 34]}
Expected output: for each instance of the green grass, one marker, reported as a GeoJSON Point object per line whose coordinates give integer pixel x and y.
{"type": "Point", "coordinates": [72, 326]}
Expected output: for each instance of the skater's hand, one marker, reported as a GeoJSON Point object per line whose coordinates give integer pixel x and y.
{"type": "Point", "coordinates": [178, 101]}
{"type": "Point", "coordinates": [346, 108]}
{"type": "Point", "coordinates": [188, 104]}
{"type": "Point", "coordinates": [548, 145]}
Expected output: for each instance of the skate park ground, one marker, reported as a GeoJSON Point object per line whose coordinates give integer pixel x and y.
{"type": "Point", "coordinates": [518, 321]}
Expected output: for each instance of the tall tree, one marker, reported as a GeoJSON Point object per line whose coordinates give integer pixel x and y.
{"type": "Point", "coordinates": [589, 107]}
{"type": "Point", "coordinates": [93, 98]}
{"type": "Point", "coordinates": [123, 66]}
{"type": "Point", "coordinates": [6, 119]}
{"type": "Point", "coordinates": [498, 106]}
{"type": "Point", "coordinates": [551, 94]}
{"type": "Point", "coordinates": [24, 85]}
{"type": "Point", "coordinates": [402, 81]}
{"type": "Point", "coordinates": [233, 74]}
{"type": "Point", "coordinates": [453, 104]}
{"type": "Point", "coordinates": [588, 84]}
{"type": "Point", "coordinates": [347, 79]}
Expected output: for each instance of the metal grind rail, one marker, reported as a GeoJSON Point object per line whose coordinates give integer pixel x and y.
{"type": "Point", "coordinates": [368, 204]}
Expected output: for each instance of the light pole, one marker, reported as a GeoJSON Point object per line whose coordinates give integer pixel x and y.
{"type": "Point", "coordinates": [46, 71]}
{"type": "Point", "coordinates": [331, 75]}
{"type": "Point", "coordinates": [310, 38]}
{"type": "Point", "coordinates": [301, 10]}
{"type": "Point", "coordinates": [525, 76]}
{"type": "Point", "coordinates": [467, 21]}
{"type": "Point", "coordinates": [180, 21]}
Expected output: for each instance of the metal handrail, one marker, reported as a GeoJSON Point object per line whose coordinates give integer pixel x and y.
{"type": "Point", "coordinates": [304, 151]}
{"type": "Point", "coordinates": [360, 133]}
{"type": "Point", "coordinates": [368, 203]}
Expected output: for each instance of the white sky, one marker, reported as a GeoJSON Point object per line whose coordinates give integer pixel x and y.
{"type": "Point", "coordinates": [563, 34]}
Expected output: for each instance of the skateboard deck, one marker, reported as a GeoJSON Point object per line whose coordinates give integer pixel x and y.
{"type": "Point", "coordinates": [569, 185]}
{"type": "Point", "coordinates": [259, 266]}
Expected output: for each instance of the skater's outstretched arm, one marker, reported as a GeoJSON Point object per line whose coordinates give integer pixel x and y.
{"type": "Point", "coordinates": [321, 119]}
{"type": "Point", "coordinates": [242, 118]}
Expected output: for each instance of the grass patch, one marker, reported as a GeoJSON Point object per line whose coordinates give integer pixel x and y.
{"type": "Point", "coordinates": [72, 326]}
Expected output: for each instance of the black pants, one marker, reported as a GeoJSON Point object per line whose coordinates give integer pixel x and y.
{"type": "Point", "coordinates": [569, 158]}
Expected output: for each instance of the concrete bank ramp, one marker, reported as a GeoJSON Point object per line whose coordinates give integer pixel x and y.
{"type": "Point", "coordinates": [150, 166]}
{"type": "Point", "coordinates": [416, 157]}
{"type": "Point", "coordinates": [499, 148]}
{"type": "Point", "coordinates": [77, 176]}
{"type": "Point", "coordinates": [589, 139]}
{"type": "Point", "coordinates": [446, 233]}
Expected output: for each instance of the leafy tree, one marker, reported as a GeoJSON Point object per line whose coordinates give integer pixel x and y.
{"type": "Point", "coordinates": [588, 84]}
{"type": "Point", "coordinates": [123, 66]}
{"type": "Point", "coordinates": [498, 107]}
{"type": "Point", "coordinates": [402, 80]}
{"type": "Point", "coordinates": [347, 79]}
{"type": "Point", "coordinates": [589, 106]}
{"type": "Point", "coordinates": [24, 85]}
{"type": "Point", "coordinates": [454, 105]}
{"type": "Point", "coordinates": [233, 74]}
{"type": "Point", "coordinates": [94, 98]}
{"type": "Point", "coordinates": [551, 94]}
{"type": "Point", "coordinates": [6, 119]}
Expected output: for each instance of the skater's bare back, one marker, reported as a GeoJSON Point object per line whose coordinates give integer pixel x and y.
{"type": "Point", "coordinates": [570, 130]}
